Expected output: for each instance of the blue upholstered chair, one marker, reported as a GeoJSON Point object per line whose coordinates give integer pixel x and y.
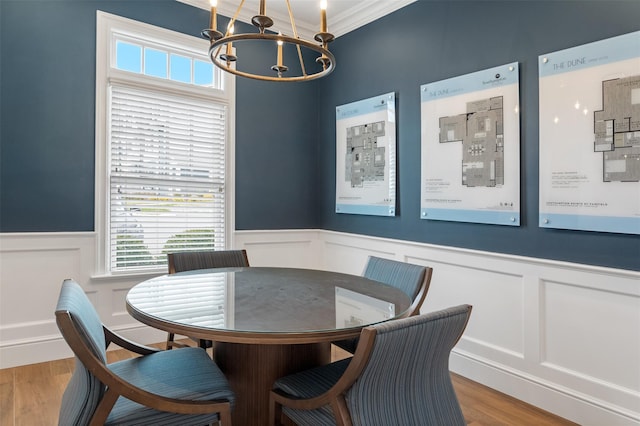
{"type": "Point", "coordinates": [208, 259]}
{"type": "Point", "coordinates": [181, 387]}
{"type": "Point", "coordinates": [399, 375]}
{"type": "Point", "coordinates": [414, 280]}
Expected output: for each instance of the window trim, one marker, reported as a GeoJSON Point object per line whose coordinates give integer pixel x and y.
{"type": "Point", "coordinates": [106, 27]}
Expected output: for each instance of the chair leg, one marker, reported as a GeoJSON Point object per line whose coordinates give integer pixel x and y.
{"type": "Point", "coordinates": [275, 413]}
{"type": "Point", "coordinates": [341, 411]}
{"type": "Point", "coordinates": [170, 337]}
{"type": "Point", "coordinates": [225, 416]}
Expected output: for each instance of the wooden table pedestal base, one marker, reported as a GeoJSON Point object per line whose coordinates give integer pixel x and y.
{"type": "Point", "coordinates": [252, 368]}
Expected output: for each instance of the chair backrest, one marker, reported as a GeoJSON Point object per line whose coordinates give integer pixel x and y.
{"type": "Point", "coordinates": [406, 379]}
{"type": "Point", "coordinates": [414, 280]}
{"type": "Point", "coordinates": [81, 327]}
{"type": "Point", "coordinates": [190, 260]}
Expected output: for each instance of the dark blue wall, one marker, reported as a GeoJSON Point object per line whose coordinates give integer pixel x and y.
{"type": "Point", "coordinates": [276, 164]}
{"type": "Point", "coordinates": [47, 114]}
{"type": "Point", "coordinates": [429, 41]}
{"type": "Point", "coordinates": [285, 134]}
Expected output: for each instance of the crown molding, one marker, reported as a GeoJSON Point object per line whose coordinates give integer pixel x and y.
{"type": "Point", "coordinates": [360, 14]}
{"type": "Point", "coordinates": [281, 21]}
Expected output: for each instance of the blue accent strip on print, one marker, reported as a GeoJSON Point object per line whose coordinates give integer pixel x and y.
{"type": "Point", "coordinates": [501, 76]}
{"type": "Point", "coordinates": [373, 210]}
{"type": "Point", "coordinates": [366, 106]}
{"type": "Point", "coordinates": [620, 225]}
{"type": "Point", "coordinates": [615, 49]}
{"type": "Point", "coordinates": [473, 216]}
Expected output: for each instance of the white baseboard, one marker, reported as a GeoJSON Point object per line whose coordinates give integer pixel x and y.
{"type": "Point", "coordinates": [48, 348]}
{"type": "Point", "coordinates": [551, 397]}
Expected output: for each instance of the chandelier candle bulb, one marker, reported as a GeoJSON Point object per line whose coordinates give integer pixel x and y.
{"type": "Point", "coordinates": [323, 16]}
{"type": "Point", "coordinates": [263, 8]}
{"type": "Point", "coordinates": [229, 50]}
{"type": "Point", "coordinates": [213, 24]}
{"type": "Point", "coordinates": [229, 57]}
{"type": "Point", "coordinates": [280, 52]}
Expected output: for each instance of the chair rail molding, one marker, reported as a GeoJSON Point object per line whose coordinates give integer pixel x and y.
{"type": "Point", "coordinates": [562, 336]}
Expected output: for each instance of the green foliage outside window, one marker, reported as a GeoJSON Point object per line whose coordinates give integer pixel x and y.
{"type": "Point", "coordinates": [202, 239]}
{"type": "Point", "coordinates": [131, 250]}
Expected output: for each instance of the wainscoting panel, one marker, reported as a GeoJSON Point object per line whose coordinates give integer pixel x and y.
{"type": "Point", "coordinates": [582, 316]}
{"type": "Point", "coordinates": [562, 336]}
{"type": "Point", "coordinates": [296, 249]}
{"type": "Point", "coordinates": [591, 337]}
{"type": "Point", "coordinates": [32, 267]}
{"type": "Point", "coordinates": [118, 302]}
{"type": "Point", "coordinates": [22, 279]}
{"type": "Point", "coordinates": [349, 259]}
{"type": "Point", "coordinates": [497, 328]}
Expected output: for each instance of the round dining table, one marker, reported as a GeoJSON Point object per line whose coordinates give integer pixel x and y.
{"type": "Point", "coordinates": [265, 322]}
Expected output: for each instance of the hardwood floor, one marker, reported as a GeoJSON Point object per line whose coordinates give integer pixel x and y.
{"type": "Point", "coordinates": [30, 396]}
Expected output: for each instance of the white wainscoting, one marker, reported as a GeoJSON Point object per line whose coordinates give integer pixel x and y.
{"type": "Point", "coordinates": [562, 336]}
{"type": "Point", "coordinates": [32, 268]}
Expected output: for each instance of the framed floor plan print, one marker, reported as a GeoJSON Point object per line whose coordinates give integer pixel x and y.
{"type": "Point", "coordinates": [470, 130]}
{"type": "Point", "coordinates": [590, 136]}
{"type": "Point", "coordinates": [366, 156]}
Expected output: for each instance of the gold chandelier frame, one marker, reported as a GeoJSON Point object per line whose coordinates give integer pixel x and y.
{"type": "Point", "coordinates": [221, 45]}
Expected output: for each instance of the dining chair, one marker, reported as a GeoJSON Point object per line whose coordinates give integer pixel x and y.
{"type": "Point", "coordinates": [206, 259]}
{"type": "Point", "coordinates": [181, 387]}
{"type": "Point", "coordinates": [414, 280]}
{"type": "Point", "coordinates": [399, 375]}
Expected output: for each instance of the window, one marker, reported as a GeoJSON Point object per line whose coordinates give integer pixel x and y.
{"type": "Point", "coordinates": [163, 120]}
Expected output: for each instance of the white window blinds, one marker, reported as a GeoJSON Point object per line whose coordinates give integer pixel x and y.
{"type": "Point", "coordinates": [166, 176]}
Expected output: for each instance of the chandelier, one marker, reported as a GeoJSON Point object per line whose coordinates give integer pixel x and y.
{"type": "Point", "coordinates": [222, 54]}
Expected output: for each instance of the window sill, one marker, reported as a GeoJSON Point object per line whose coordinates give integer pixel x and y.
{"type": "Point", "coordinates": [127, 276]}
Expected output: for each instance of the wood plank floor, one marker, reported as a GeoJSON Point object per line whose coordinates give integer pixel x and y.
{"type": "Point", "coordinates": [30, 396]}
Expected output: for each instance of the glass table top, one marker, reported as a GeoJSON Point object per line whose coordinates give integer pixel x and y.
{"type": "Point", "coordinates": [265, 300]}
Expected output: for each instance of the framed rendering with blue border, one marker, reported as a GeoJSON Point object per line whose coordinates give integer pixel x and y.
{"type": "Point", "coordinates": [590, 136]}
{"type": "Point", "coordinates": [470, 148]}
{"type": "Point", "coordinates": [366, 156]}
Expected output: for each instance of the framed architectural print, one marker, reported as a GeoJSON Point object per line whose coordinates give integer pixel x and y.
{"type": "Point", "coordinates": [470, 157]}
{"type": "Point", "coordinates": [590, 136]}
{"type": "Point", "coordinates": [366, 156]}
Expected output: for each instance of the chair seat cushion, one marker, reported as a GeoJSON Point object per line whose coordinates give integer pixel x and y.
{"type": "Point", "coordinates": [186, 373]}
{"type": "Point", "coordinates": [308, 384]}
{"type": "Point", "coordinates": [312, 382]}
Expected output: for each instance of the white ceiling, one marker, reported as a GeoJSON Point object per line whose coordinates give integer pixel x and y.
{"type": "Point", "coordinates": [342, 15]}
